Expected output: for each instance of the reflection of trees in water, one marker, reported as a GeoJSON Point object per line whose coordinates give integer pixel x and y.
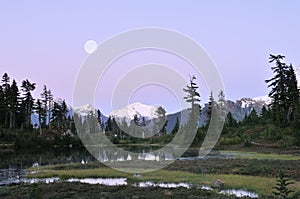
{"type": "Point", "coordinates": [112, 154]}
{"type": "Point", "coordinates": [94, 138]}
{"type": "Point", "coordinates": [26, 158]}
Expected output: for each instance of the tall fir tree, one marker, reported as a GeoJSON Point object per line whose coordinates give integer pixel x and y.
{"type": "Point", "coordinates": [40, 111]}
{"type": "Point", "coordinates": [47, 99]}
{"type": "Point", "coordinates": [13, 101]}
{"type": "Point", "coordinates": [230, 121]}
{"type": "Point", "coordinates": [56, 116]}
{"type": "Point", "coordinates": [50, 100]}
{"type": "Point", "coordinates": [161, 121]}
{"type": "Point", "coordinates": [210, 105]}
{"type": "Point", "coordinates": [44, 99]}
{"type": "Point", "coordinates": [6, 89]}
{"type": "Point", "coordinates": [27, 101]}
{"type": "Point", "coordinates": [221, 106]}
{"type": "Point", "coordinates": [64, 110]}
{"type": "Point", "coordinates": [176, 127]}
{"type": "Point", "coordinates": [284, 92]}
{"type": "Point", "coordinates": [193, 97]}
{"type": "Point", "coordinates": [293, 94]}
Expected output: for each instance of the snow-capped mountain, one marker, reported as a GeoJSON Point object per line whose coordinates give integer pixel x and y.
{"type": "Point", "coordinates": [84, 110]}
{"type": "Point", "coordinates": [238, 109]}
{"type": "Point", "coordinates": [255, 102]}
{"type": "Point", "coordinates": [244, 106]}
{"type": "Point", "coordinates": [141, 110]}
{"type": "Point", "coordinates": [266, 99]}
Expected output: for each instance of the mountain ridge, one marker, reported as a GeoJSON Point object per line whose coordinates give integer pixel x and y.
{"type": "Point", "coordinates": [238, 108]}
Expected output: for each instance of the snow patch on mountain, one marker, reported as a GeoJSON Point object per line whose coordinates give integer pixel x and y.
{"type": "Point", "coordinates": [139, 109]}
{"type": "Point", "coordinates": [266, 99]}
{"type": "Point", "coordinates": [84, 110]}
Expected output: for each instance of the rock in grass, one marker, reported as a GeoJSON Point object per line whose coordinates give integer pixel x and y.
{"type": "Point", "coordinates": [219, 183]}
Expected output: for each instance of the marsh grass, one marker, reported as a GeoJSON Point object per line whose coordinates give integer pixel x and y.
{"type": "Point", "coordinates": [77, 173]}
{"type": "Point", "coordinates": [261, 185]}
{"type": "Point", "coordinates": [255, 155]}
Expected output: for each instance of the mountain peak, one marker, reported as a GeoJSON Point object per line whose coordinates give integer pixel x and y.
{"type": "Point", "coordinates": [137, 108]}
{"type": "Point", "coordinates": [84, 110]}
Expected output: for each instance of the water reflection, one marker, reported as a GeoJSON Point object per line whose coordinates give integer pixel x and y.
{"type": "Point", "coordinates": [10, 176]}
{"type": "Point", "coordinates": [240, 193]}
{"type": "Point", "coordinates": [27, 158]}
{"type": "Point", "coordinates": [103, 181]}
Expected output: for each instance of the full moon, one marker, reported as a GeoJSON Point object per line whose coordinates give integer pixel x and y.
{"type": "Point", "coordinates": [90, 46]}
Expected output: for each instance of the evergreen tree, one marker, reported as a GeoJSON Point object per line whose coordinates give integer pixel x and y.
{"type": "Point", "coordinates": [40, 111]}
{"type": "Point", "coordinates": [5, 89]}
{"type": "Point", "coordinates": [265, 113]}
{"type": "Point", "coordinates": [176, 127]}
{"type": "Point", "coordinates": [136, 119]}
{"type": "Point", "coordinates": [253, 117]}
{"type": "Point", "coordinates": [57, 117]}
{"type": "Point", "coordinates": [99, 117]}
{"type": "Point", "coordinates": [47, 99]}
{"type": "Point", "coordinates": [265, 116]}
{"type": "Point", "coordinates": [161, 121]}
{"type": "Point", "coordinates": [293, 94]}
{"type": "Point", "coordinates": [211, 103]}
{"type": "Point", "coordinates": [13, 104]}
{"type": "Point", "coordinates": [133, 125]}
{"type": "Point", "coordinates": [230, 121]}
{"type": "Point", "coordinates": [27, 101]}
{"type": "Point", "coordinates": [221, 100]}
{"type": "Point", "coordinates": [64, 110]}
{"type": "Point", "coordinates": [284, 92]}
{"type": "Point", "coordinates": [50, 100]}
{"type": "Point", "coordinates": [73, 126]}
{"type": "Point", "coordinates": [221, 106]}
{"type": "Point", "coordinates": [44, 96]}
{"type": "Point", "coordinates": [193, 95]}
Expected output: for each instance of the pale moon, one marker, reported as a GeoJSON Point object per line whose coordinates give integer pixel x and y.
{"type": "Point", "coordinates": [90, 46]}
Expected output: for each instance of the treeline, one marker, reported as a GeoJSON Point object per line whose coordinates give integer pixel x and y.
{"type": "Point", "coordinates": [17, 106]}
{"type": "Point", "coordinates": [279, 122]}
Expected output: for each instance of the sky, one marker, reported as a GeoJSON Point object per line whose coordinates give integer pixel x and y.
{"type": "Point", "coordinates": [43, 41]}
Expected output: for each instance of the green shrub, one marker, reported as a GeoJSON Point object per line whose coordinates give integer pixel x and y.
{"type": "Point", "coordinates": [281, 188]}
{"type": "Point", "coordinates": [230, 141]}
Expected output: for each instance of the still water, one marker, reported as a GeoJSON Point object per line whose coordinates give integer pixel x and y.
{"type": "Point", "coordinates": [14, 163]}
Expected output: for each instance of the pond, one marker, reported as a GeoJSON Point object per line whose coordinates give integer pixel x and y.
{"type": "Point", "coordinates": [14, 163]}
{"type": "Point", "coordinates": [23, 159]}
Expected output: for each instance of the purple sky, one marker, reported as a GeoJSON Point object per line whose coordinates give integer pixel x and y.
{"type": "Point", "coordinates": [43, 41]}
